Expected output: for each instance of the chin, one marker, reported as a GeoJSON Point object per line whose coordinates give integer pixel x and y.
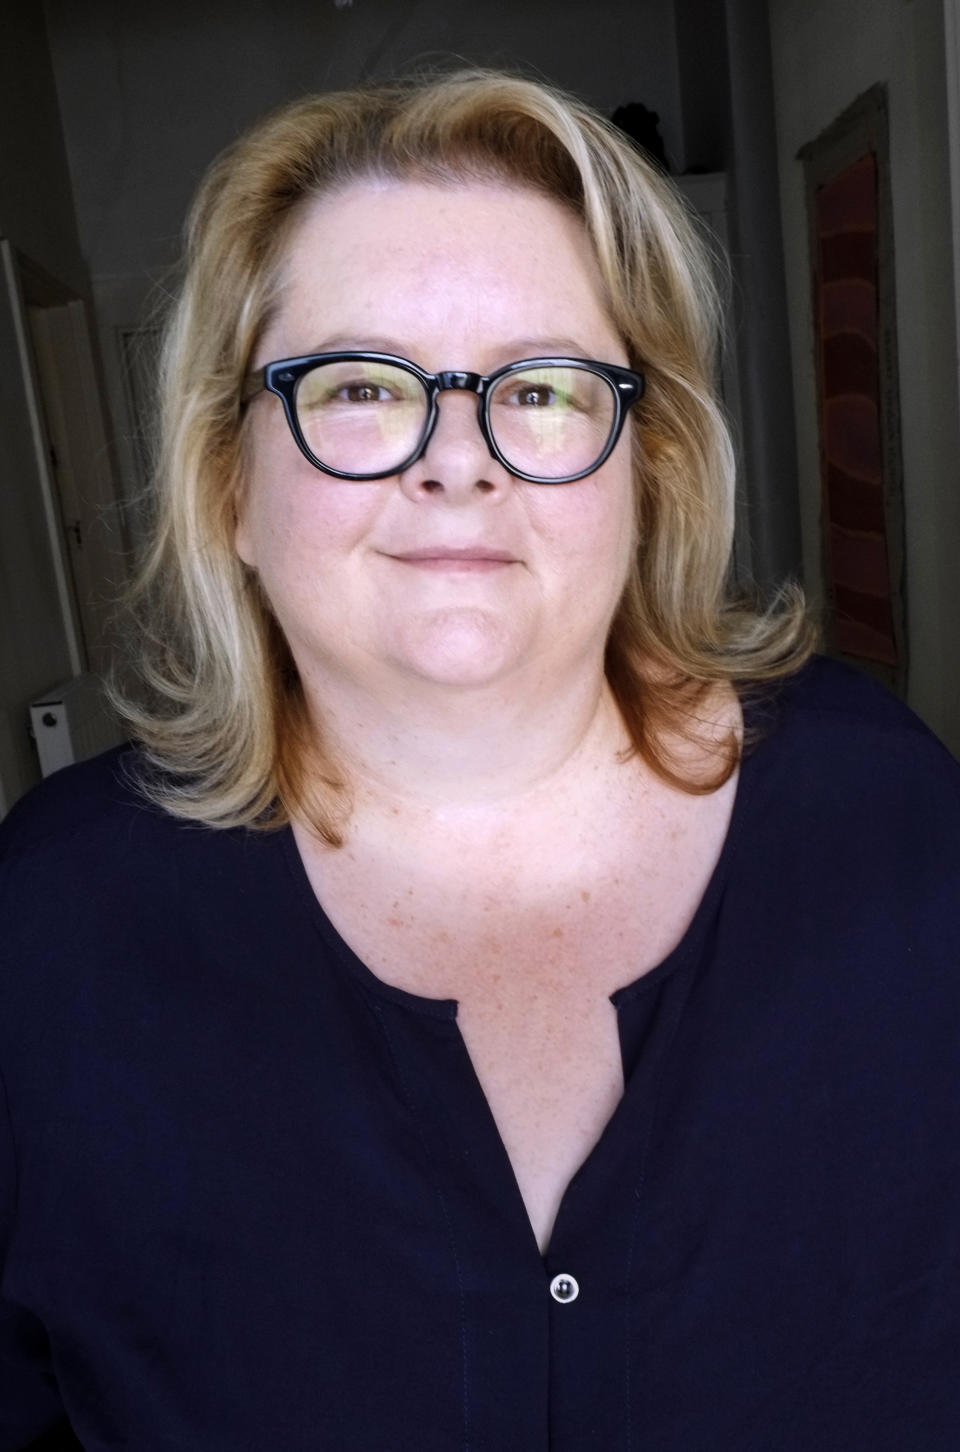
{"type": "Point", "coordinates": [465, 648]}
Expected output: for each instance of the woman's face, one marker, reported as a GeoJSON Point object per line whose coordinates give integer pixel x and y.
{"type": "Point", "coordinates": [453, 571]}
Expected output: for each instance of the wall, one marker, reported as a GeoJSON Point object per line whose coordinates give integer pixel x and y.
{"type": "Point", "coordinates": [761, 332]}
{"type": "Point", "coordinates": [723, 59]}
{"type": "Point", "coordinates": [151, 93]}
{"type": "Point", "coordinates": [36, 201]}
{"type": "Point", "coordinates": [703, 68]}
{"type": "Point", "coordinates": [36, 214]}
{"type": "Point", "coordinates": [825, 54]}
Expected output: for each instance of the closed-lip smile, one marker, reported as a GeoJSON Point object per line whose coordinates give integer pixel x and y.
{"type": "Point", "coordinates": [455, 557]}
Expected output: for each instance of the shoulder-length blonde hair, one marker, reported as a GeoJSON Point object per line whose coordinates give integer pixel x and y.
{"type": "Point", "coordinates": [222, 714]}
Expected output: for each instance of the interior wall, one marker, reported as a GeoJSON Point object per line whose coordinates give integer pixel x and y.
{"type": "Point", "coordinates": [703, 68]}
{"type": "Point", "coordinates": [723, 57]}
{"type": "Point", "coordinates": [826, 53]}
{"type": "Point", "coordinates": [151, 93]}
{"type": "Point", "coordinates": [36, 201]}
{"type": "Point", "coordinates": [36, 215]}
{"type": "Point", "coordinates": [761, 324]}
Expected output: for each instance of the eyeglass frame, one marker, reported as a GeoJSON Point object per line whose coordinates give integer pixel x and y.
{"type": "Point", "coordinates": [282, 377]}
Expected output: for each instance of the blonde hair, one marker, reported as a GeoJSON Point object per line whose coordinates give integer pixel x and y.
{"type": "Point", "coordinates": [222, 715]}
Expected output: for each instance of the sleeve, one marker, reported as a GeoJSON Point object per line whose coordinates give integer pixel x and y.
{"type": "Point", "coordinates": [30, 1406]}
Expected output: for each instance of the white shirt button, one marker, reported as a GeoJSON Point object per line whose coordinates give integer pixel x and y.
{"type": "Point", "coordinates": [564, 1288]}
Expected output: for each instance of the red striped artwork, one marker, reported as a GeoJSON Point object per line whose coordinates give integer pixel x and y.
{"type": "Point", "coordinates": [846, 310]}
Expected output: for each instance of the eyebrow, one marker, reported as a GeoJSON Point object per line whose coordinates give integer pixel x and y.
{"type": "Point", "coordinates": [544, 347]}
{"type": "Point", "coordinates": [513, 350]}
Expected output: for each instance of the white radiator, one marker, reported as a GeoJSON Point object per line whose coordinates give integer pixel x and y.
{"type": "Point", "coordinates": [73, 721]}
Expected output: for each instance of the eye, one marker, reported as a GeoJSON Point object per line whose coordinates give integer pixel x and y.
{"type": "Point", "coordinates": [351, 386]}
{"type": "Point", "coordinates": [548, 389]}
{"type": "Point", "coordinates": [362, 392]}
{"type": "Point", "coordinates": [534, 395]}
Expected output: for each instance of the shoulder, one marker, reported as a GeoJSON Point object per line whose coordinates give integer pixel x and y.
{"type": "Point", "coordinates": [845, 879]}
{"type": "Point", "coordinates": [72, 795]}
{"type": "Point", "coordinates": [89, 838]}
{"type": "Point", "coordinates": [842, 730]}
{"type": "Point", "coordinates": [851, 804]}
{"type": "Point", "coordinates": [96, 802]}
{"type": "Point", "coordinates": [100, 886]}
{"type": "Point", "coordinates": [836, 695]}
{"type": "Point", "coordinates": [82, 850]}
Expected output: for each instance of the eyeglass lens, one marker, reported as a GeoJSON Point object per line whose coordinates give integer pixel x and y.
{"type": "Point", "coordinates": [363, 417]}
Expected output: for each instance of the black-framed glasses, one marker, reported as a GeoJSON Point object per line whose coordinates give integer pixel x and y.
{"type": "Point", "coordinates": [370, 415]}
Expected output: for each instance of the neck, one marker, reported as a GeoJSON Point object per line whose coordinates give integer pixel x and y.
{"type": "Point", "coordinates": [456, 751]}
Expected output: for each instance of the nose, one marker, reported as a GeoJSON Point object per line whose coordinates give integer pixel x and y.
{"type": "Point", "coordinates": [456, 463]}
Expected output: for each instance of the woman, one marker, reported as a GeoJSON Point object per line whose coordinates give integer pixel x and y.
{"type": "Point", "coordinates": [433, 1035]}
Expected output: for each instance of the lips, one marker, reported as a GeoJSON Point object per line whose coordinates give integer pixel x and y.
{"type": "Point", "coordinates": [455, 554]}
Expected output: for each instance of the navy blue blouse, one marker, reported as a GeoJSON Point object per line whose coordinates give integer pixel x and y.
{"type": "Point", "coordinates": [251, 1197]}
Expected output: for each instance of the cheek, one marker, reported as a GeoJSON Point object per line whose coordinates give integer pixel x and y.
{"type": "Point", "coordinates": [588, 529]}
{"type": "Point", "coordinates": [264, 528]}
{"type": "Point", "coordinates": [296, 525]}
{"type": "Point", "coordinates": [259, 504]}
{"type": "Point", "coordinates": [279, 502]}
{"type": "Point", "coordinates": [286, 507]}
{"type": "Point", "coordinates": [622, 517]}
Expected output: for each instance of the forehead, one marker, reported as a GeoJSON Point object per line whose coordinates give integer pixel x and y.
{"type": "Point", "coordinates": [435, 265]}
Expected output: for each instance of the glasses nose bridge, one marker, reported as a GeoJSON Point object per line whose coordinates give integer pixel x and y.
{"type": "Point", "coordinates": [460, 379]}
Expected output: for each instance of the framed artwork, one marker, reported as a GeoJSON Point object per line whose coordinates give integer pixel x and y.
{"type": "Point", "coordinates": [847, 172]}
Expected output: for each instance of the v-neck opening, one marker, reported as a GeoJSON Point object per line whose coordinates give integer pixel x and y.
{"type": "Point", "coordinates": [623, 1132]}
